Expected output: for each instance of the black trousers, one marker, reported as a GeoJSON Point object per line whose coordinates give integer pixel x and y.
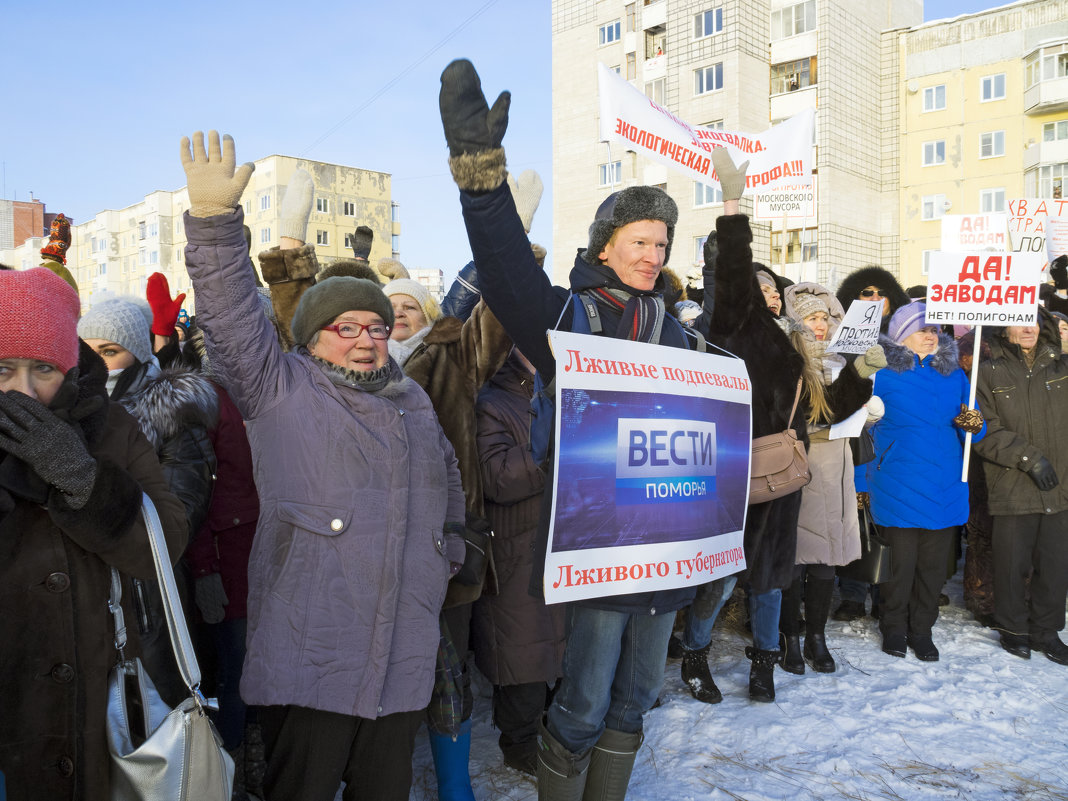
{"type": "Point", "coordinates": [517, 710]}
{"type": "Point", "coordinates": [909, 600]}
{"type": "Point", "coordinates": [1035, 545]}
{"type": "Point", "coordinates": [310, 752]}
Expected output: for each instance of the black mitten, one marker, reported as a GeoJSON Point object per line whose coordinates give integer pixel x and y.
{"type": "Point", "coordinates": [361, 242]}
{"type": "Point", "coordinates": [1043, 474]}
{"type": "Point", "coordinates": [1058, 271]}
{"type": "Point", "coordinates": [473, 130]}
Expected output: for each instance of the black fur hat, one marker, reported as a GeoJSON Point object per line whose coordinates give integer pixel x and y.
{"type": "Point", "coordinates": [849, 289]}
{"type": "Point", "coordinates": [626, 206]}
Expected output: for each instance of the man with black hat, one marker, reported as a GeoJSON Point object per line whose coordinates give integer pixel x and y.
{"type": "Point", "coordinates": [614, 658]}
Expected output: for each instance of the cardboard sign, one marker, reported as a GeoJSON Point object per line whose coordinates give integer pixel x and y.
{"type": "Point", "coordinates": [651, 478]}
{"type": "Point", "coordinates": [859, 329]}
{"type": "Point", "coordinates": [779, 157]}
{"type": "Point", "coordinates": [984, 288]}
{"type": "Point", "coordinates": [970, 232]}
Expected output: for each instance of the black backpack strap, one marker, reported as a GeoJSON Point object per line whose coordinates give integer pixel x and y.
{"type": "Point", "coordinates": [592, 315]}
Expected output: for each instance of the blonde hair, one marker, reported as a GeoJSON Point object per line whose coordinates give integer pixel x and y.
{"type": "Point", "coordinates": [813, 390]}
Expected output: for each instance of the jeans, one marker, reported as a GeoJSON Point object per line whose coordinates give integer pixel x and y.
{"type": "Point", "coordinates": [764, 617]}
{"type": "Point", "coordinates": [613, 670]}
{"type": "Point", "coordinates": [698, 631]}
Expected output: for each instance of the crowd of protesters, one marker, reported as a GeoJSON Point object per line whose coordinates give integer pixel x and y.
{"type": "Point", "coordinates": [344, 472]}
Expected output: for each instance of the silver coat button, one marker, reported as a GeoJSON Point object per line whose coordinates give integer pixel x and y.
{"type": "Point", "coordinates": [336, 524]}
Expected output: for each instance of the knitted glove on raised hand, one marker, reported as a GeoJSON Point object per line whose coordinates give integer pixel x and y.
{"type": "Point", "coordinates": [391, 269]}
{"type": "Point", "coordinates": [970, 420]}
{"type": "Point", "coordinates": [731, 177]}
{"type": "Point", "coordinates": [871, 362]}
{"type": "Point", "coordinates": [296, 206]}
{"type": "Point", "coordinates": [214, 185]}
{"type": "Point", "coordinates": [473, 130]}
{"type": "Point", "coordinates": [526, 192]}
{"type": "Point", "coordinates": [32, 433]}
{"type": "Point", "coordinates": [164, 310]}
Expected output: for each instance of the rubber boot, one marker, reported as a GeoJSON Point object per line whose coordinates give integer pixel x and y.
{"type": "Point", "coordinates": [561, 774]}
{"type": "Point", "coordinates": [762, 674]}
{"type": "Point", "coordinates": [611, 763]}
{"type": "Point", "coordinates": [789, 632]}
{"type": "Point", "coordinates": [817, 607]}
{"type": "Point", "coordinates": [698, 678]}
{"type": "Point", "coordinates": [450, 763]}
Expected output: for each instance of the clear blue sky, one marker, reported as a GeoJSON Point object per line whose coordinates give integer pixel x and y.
{"type": "Point", "coordinates": [97, 95]}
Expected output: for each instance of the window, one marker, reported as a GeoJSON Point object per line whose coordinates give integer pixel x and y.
{"type": "Point", "coordinates": [934, 152]}
{"type": "Point", "coordinates": [631, 21]}
{"type": "Point", "coordinates": [993, 87]}
{"type": "Point", "coordinates": [348, 242]}
{"type": "Point", "coordinates": [707, 23]}
{"type": "Point", "coordinates": [608, 33]}
{"type": "Point", "coordinates": [265, 235]}
{"type": "Point", "coordinates": [793, 75]}
{"type": "Point", "coordinates": [708, 79]}
{"type": "Point", "coordinates": [153, 257]}
{"type": "Point", "coordinates": [248, 207]}
{"type": "Point", "coordinates": [991, 144]}
{"type": "Point", "coordinates": [991, 201]}
{"type": "Point", "coordinates": [934, 207]}
{"type": "Point", "coordinates": [178, 224]}
{"type": "Point", "coordinates": [178, 255]}
{"type": "Point", "coordinates": [934, 98]}
{"type": "Point", "coordinates": [632, 66]}
{"type": "Point", "coordinates": [655, 43]}
{"type": "Point", "coordinates": [615, 69]}
{"type": "Point", "coordinates": [794, 251]}
{"type": "Point", "coordinates": [706, 194]}
{"type": "Point", "coordinates": [348, 208]}
{"type": "Point", "coordinates": [265, 202]}
{"type": "Point", "coordinates": [142, 230]}
{"type": "Point", "coordinates": [322, 205]}
{"type": "Point", "coordinates": [322, 237]}
{"type": "Point", "coordinates": [793, 20]}
{"type": "Point", "coordinates": [654, 90]}
{"type": "Point", "coordinates": [610, 173]}
{"type": "Point", "coordinates": [1055, 131]}
{"type": "Point", "coordinates": [394, 213]}
{"type": "Point", "coordinates": [142, 256]}
{"type": "Point", "coordinates": [1046, 65]}
{"type": "Point", "coordinates": [1051, 180]}
{"type": "Point", "coordinates": [927, 261]}
{"type": "Point", "coordinates": [153, 229]}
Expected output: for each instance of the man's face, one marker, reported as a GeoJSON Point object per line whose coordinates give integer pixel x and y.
{"type": "Point", "coordinates": [636, 253]}
{"type": "Point", "coordinates": [1026, 336]}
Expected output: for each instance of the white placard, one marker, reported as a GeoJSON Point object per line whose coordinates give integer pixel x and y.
{"type": "Point", "coordinates": [859, 329]}
{"type": "Point", "coordinates": [984, 288]}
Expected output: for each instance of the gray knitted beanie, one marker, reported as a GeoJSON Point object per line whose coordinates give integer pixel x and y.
{"type": "Point", "coordinates": [122, 321]}
{"type": "Point", "coordinates": [321, 304]}
{"type": "Point", "coordinates": [626, 206]}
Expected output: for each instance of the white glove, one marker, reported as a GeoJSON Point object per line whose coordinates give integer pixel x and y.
{"type": "Point", "coordinates": [296, 206]}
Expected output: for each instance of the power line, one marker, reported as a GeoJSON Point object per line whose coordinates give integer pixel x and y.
{"type": "Point", "coordinates": [399, 77]}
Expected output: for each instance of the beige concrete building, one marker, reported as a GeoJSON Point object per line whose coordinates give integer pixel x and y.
{"type": "Point", "coordinates": [116, 251]}
{"type": "Point", "coordinates": [984, 118]}
{"type": "Point", "coordinates": [742, 65]}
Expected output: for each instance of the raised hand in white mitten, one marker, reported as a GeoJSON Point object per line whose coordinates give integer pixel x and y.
{"type": "Point", "coordinates": [296, 206]}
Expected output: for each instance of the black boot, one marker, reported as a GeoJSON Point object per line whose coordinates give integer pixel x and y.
{"type": "Point", "coordinates": [789, 634]}
{"type": "Point", "coordinates": [697, 677]}
{"type": "Point", "coordinates": [762, 674]}
{"type": "Point", "coordinates": [817, 607]}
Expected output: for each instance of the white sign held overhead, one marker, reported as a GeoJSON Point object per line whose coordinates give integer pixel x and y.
{"type": "Point", "coordinates": [796, 203]}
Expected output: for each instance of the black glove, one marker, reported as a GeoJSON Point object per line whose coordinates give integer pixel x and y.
{"type": "Point", "coordinates": [1058, 271]}
{"type": "Point", "coordinates": [361, 242]}
{"type": "Point", "coordinates": [1043, 474]}
{"type": "Point", "coordinates": [470, 125]}
{"type": "Point", "coordinates": [29, 431]}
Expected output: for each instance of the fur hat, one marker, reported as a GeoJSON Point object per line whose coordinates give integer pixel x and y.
{"type": "Point", "coordinates": [406, 286]}
{"type": "Point", "coordinates": [626, 206]}
{"type": "Point", "coordinates": [122, 321]}
{"type": "Point", "coordinates": [321, 304]}
{"type": "Point", "coordinates": [907, 321]}
{"type": "Point", "coordinates": [806, 304]}
{"type": "Point", "coordinates": [357, 268]}
{"type": "Point", "coordinates": [38, 317]}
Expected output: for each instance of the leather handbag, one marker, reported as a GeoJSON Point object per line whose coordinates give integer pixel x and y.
{"type": "Point", "coordinates": [873, 566]}
{"type": "Point", "coordinates": [158, 753]}
{"type": "Point", "coordinates": [862, 447]}
{"type": "Point", "coordinates": [779, 463]}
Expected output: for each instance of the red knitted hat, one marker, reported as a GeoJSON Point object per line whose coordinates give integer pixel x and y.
{"type": "Point", "coordinates": [38, 317]}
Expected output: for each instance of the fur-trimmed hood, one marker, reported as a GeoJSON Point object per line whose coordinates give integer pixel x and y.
{"type": "Point", "coordinates": [900, 359]}
{"type": "Point", "coordinates": [873, 275]}
{"type": "Point", "coordinates": [171, 401]}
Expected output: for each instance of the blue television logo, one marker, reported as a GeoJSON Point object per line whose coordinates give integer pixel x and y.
{"type": "Point", "coordinates": [664, 460]}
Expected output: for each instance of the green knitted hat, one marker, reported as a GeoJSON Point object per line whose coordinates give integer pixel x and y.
{"type": "Point", "coordinates": [321, 304]}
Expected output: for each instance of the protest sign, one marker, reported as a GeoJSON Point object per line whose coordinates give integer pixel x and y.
{"type": "Point", "coordinates": [1056, 237]}
{"type": "Point", "coordinates": [859, 329]}
{"type": "Point", "coordinates": [795, 203]}
{"type": "Point", "coordinates": [969, 232]}
{"type": "Point", "coordinates": [651, 475]}
{"type": "Point", "coordinates": [984, 288]}
{"type": "Point", "coordinates": [778, 157]}
{"type": "Point", "coordinates": [1027, 223]}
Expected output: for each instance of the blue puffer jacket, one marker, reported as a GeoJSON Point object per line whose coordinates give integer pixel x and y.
{"type": "Point", "coordinates": [914, 479]}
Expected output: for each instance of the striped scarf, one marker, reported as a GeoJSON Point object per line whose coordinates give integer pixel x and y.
{"type": "Point", "coordinates": [641, 316]}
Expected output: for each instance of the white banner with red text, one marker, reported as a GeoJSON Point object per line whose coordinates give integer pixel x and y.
{"type": "Point", "coordinates": [984, 288]}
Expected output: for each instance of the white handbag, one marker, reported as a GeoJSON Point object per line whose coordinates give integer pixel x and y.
{"type": "Point", "coordinates": [159, 753]}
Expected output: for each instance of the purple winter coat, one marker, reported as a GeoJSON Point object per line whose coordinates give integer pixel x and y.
{"type": "Point", "coordinates": [349, 566]}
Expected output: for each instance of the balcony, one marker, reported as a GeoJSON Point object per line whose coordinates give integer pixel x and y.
{"type": "Point", "coordinates": [1045, 153]}
{"type": "Point", "coordinates": [1047, 96]}
{"type": "Point", "coordinates": [654, 15]}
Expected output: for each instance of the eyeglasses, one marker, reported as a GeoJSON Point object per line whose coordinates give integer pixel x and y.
{"type": "Point", "coordinates": [867, 293]}
{"type": "Point", "coordinates": [353, 330]}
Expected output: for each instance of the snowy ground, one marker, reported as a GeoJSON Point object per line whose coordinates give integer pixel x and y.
{"type": "Point", "coordinates": [979, 725]}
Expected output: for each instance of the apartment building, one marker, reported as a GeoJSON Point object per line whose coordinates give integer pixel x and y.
{"type": "Point", "coordinates": [742, 65]}
{"type": "Point", "coordinates": [984, 118]}
{"type": "Point", "coordinates": [115, 252]}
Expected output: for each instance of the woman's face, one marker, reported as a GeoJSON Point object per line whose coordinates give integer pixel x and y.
{"type": "Point", "coordinates": [114, 355]}
{"type": "Point", "coordinates": [818, 323]}
{"type": "Point", "coordinates": [362, 353]}
{"type": "Point", "coordinates": [1063, 328]}
{"type": "Point", "coordinates": [40, 380]}
{"type": "Point", "coordinates": [875, 293]}
{"type": "Point", "coordinates": [771, 297]}
{"type": "Point", "coordinates": [408, 317]}
{"type": "Point", "coordinates": [923, 342]}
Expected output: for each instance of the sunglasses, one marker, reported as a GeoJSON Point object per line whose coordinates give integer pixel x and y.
{"type": "Point", "coordinates": [867, 293]}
